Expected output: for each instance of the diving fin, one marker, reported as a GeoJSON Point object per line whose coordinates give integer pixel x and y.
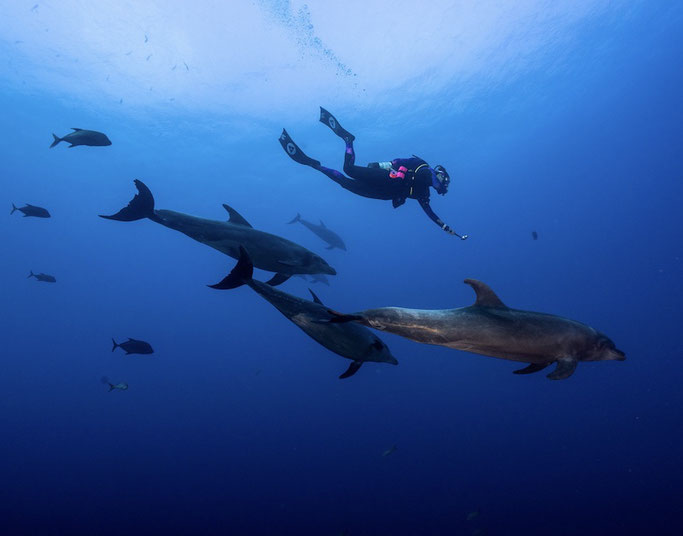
{"type": "Point", "coordinates": [353, 368]}
{"type": "Point", "coordinates": [533, 367]}
{"type": "Point", "coordinates": [296, 154]}
{"type": "Point", "coordinates": [565, 368]}
{"type": "Point", "coordinates": [278, 279]}
{"type": "Point", "coordinates": [328, 119]}
{"type": "Point", "coordinates": [141, 206]}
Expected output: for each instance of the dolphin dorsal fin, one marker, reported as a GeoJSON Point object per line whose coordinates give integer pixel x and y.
{"type": "Point", "coordinates": [485, 296]}
{"type": "Point", "coordinates": [235, 217]}
{"type": "Point", "coordinates": [76, 129]}
{"type": "Point", "coordinates": [322, 223]}
{"type": "Point", "coordinates": [315, 298]}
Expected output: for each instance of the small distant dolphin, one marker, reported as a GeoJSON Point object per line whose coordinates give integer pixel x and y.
{"type": "Point", "coordinates": [133, 346]}
{"type": "Point", "coordinates": [80, 136]}
{"type": "Point", "coordinates": [333, 239]}
{"type": "Point", "coordinates": [270, 252]}
{"type": "Point", "coordinates": [43, 277]}
{"type": "Point", "coordinates": [315, 278]}
{"type": "Point", "coordinates": [389, 451]}
{"type": "Point", "coordinates": [491, 328]}
{"type": "Point", "coordinates": [31, 210]}
{"type": "Point", "coordinates": [119, 386]}
{"type": "Point", "coordinates": [358, 343]}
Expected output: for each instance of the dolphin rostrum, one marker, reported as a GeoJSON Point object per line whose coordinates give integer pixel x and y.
{"type": "Point", "coordinates": [347, 340]}
{"type": "Point", "coordinates": [489, 327]}
{"type": "Point", "coordinates": [269, 252]}
{"type": "Point", "coordinates": [327, 235]}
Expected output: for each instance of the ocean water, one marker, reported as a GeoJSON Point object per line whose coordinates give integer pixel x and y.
{"type": "Point", "coordinates": [562, 118]}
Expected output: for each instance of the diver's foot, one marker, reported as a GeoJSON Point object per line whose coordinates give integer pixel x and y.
{"type": "Point", "coordinates": [328, 119]}
{"type": "Point", "coordinates": [296, 154]}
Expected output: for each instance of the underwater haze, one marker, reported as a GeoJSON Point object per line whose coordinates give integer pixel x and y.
{"type": "Point", "coordinates": [558, 118]}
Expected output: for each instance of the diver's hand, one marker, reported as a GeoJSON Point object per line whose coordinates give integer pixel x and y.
{"type": "Point", "coordinates": [463, 237]}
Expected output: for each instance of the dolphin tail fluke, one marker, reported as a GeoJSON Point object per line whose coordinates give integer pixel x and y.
{"type": "Point", "coordinates": [298, 218]}
{"type": "Point", "coordinates": [341, 318]}
{"type": "Point", "coordinates": [141, 206]}
{"type": "Point", "coordinates": [56, 140]}
{"type": "Point", "coordinates": [111, 387]}
{"type": "Point", "coordinates": [240, 274]}
{"type": "Point", "coordinates": [353, 368]}
{"type": "Point", "coordinates": [278, 279]}
{"type": "Point", "coordinates": [115, 345]}
{"type": "Point", "coordinates": [31, 275]}
{"type": "Point", "coordinates": [14, 209]}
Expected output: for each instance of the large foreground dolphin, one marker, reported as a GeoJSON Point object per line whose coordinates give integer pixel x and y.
{"type": "Point", "coordinates": [270, 252]}
{"type": "Point", "coordinates": [491, 328]}
{"type": "Point", "coordinates": [347, 340]}
{"type": "Point", "coordinates": [327, 235]}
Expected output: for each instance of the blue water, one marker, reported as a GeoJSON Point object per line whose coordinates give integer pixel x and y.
{"type": "Point", "coordinates": [237, 424]}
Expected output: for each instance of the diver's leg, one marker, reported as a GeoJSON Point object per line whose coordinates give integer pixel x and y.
{"type": "Point", "coordinates": [296, 154]}
{"type": "Point", "coordinates": [357, 187]}
{"type": "Point", "coordinates": [328, 119]}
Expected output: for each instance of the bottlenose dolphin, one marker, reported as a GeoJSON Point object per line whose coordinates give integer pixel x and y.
{"type": "Point", "coordinates": [81, 136]}
{"type": "Point", "coordinates": [491, 328]}
{"type": "Point", "coordinates": [327, 235]}
{"type": "Point", "coordinates": [31, 210]}
{"type": "Point", "coordinates": [270, 252]}
{"type": "Point", "coordinates": [133, 346]}
{"type": "Point", "coordinates": [347, 340]}
{"type": "Point", "coordinates": [47, 278]}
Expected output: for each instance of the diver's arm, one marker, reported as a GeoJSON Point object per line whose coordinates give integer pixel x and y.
{"type": "Point", "coordinates": [424, 203]}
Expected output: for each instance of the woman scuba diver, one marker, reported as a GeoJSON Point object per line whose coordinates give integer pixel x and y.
{"type": "Point", "coordinates": [398, 180]}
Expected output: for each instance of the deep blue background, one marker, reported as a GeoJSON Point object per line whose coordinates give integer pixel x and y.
{"type": "Point", "coordinates": [238, 423]}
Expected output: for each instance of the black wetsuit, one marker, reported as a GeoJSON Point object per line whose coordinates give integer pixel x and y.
{"type": "Point", "coordinates": [376, 182]}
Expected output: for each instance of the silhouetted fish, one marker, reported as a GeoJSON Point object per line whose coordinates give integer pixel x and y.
{"type": "Point", "coordinates": [315, 278]}
{"type": "Point", "coordinates": [133, 346]}
{"type": "Point", "coordinates": [534, 235]}
{"type": "Point", "coordinates": [43, 277]}
{"type": "Point", "coordinates": [119, 386]}
{"type": "Point", "coordinates": [31, 210]}
{"type": "Point", "coordinates": [80, 136]}
{"type": "Point", "coordinates": [389, 451]}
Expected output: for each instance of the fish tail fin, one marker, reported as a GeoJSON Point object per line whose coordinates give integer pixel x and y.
{"type": "Point", "coordinates": [56, 140]}
{"type": "Point", "coordinates": [240, 274]}
{"type": "Point", "coordinates": [298, 218]}
{"type": "Point", "coordinates": [14, 209]}
{"type": "Point", "coordinates": [115, 345]}
{"type": "Point", "coordinates": [111, 387]}
{"type": "Point", "coordinates": [341, 318]}
{"type": "Point", "coordinates": [140, 207]}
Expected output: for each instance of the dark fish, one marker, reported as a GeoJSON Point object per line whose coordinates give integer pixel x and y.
{"type": "Point", "coordinates": [269, 252]}
{"type": "Point", "coordinates": [312, 317]}
{"type": "Point", "coordinates": [31, 210]}
{"type": "Point", "coordinates": [80, 136]}
{"type": "Point", "coordinates": [43, 277]}
{"type": "Point", "coordinates": [315, 278]}
{"type": "Point", "coordinates": [534, 235]}
{"type": "Point", "coordinates": [327, 235]}
{"type": "Point", "coordinates": [132, 346]}
{"type": "Point", "coordinates": [489, 327]}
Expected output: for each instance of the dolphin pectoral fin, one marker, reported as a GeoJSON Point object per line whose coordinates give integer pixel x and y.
{"type": "Point", "coordinates": [235, 217]}
{"type": "Point", "coordinates": [278, 279]}
{"type": "Point", "coordinates": [353, 368]}
{"type": "Point", "coordinates": [530, 369]}
{"type": "Point", "coordinates": [565, 368]}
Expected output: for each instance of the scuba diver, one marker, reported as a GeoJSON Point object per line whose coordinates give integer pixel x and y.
{"type": "Point", "coordinates": [398, 180]}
